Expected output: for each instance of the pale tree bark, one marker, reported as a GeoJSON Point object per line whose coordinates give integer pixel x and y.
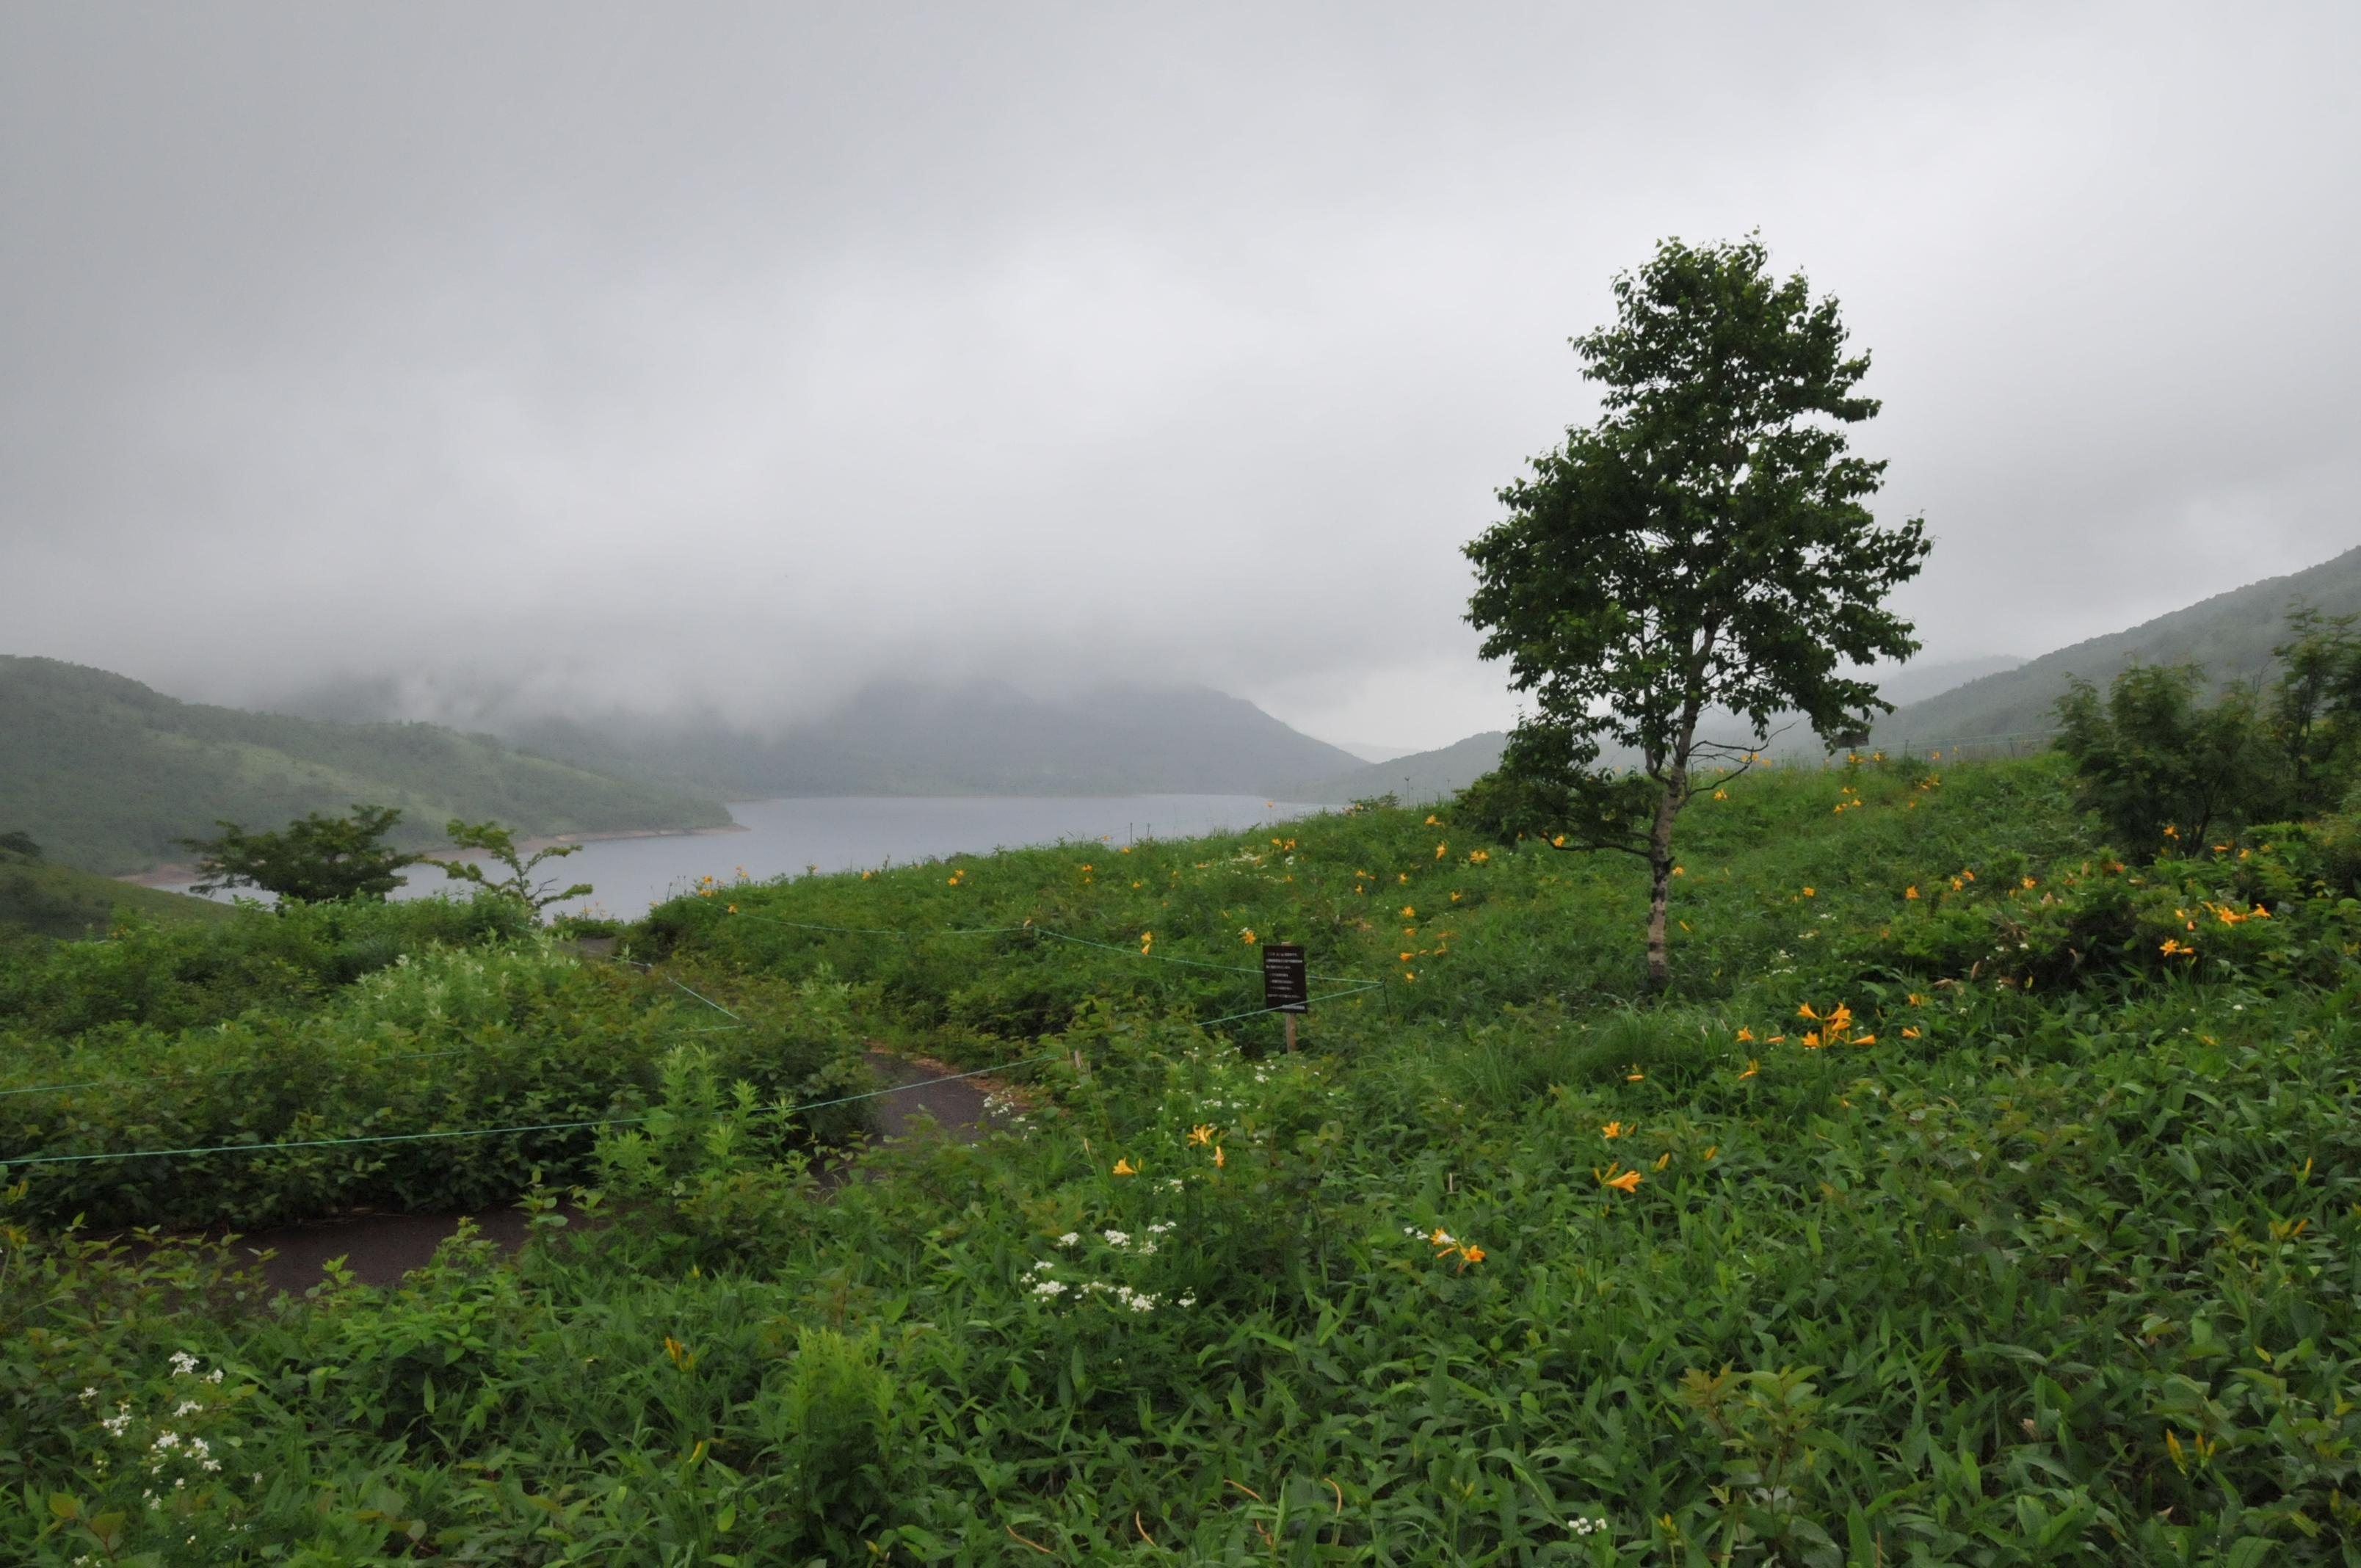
{"type": "Point", "coordinates": [1673, 778]}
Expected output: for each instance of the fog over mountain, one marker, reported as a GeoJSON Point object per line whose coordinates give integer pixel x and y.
{"type": "Point", "coordinates": [739, 358]}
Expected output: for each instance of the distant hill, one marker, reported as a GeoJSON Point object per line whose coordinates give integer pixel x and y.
{"type": "Point", "coordinates": [981, 737]}
{"type": "Point", "coordinates": [107, 774]}
{"type": "Point", "coordinates": [2230, 634]}
{"type": "Point", "coordinates": [52, 900]}
{"type": "Point", "coordinates": [1421, 775]}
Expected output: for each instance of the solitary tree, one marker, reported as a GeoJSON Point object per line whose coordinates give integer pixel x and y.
{"type": "Point", "coordinates": [499, 844]}
{"type": "Point", "coordinates": [316, 858]}
{"type": "Point", "coordinates": [1704, 547]}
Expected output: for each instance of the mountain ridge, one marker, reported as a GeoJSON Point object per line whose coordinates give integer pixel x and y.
{"type": "Point", "coordinates": [2230, 633]}
{"type": "Point", "coordinates": [107, 774]}
{"type": "Point", "coordinates": [981, 736]}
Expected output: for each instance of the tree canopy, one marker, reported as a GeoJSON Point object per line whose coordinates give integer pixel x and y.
{"type": "Point", "coordinates": [499, 844]}
{"type": "Point", "coordinates": [316, 858]}
{"type": "Point", "coordinates": [1704, 547]}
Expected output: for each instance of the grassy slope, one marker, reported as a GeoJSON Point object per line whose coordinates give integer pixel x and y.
{"type": "Point", "coordinates": [2062, 1273]}
{"type": "Point", "coordinates": [59, 901]}
{"type": "Point", "coordinates": [107, 774]}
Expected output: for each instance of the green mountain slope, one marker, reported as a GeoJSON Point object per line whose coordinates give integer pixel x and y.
{"type": "Point", "coordinates": [2230, 634]}
{"type": "Point", "coordinates": [60, 901]}
{"type": "Point", "coordinates": [107, 774]}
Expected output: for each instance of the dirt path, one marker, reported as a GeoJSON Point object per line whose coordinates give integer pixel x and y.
{"type": "Point", "coordinates": [380, 1248]}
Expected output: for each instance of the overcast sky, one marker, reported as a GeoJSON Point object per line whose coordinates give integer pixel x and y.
{"type": "Point", "coordinates": [744, 354]}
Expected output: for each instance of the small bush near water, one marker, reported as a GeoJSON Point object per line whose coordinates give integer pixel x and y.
{"type": "Point", "coordinates": [1976, 1200]}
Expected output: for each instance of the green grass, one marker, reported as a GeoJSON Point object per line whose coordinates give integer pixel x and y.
{"type": "Point", "coordinates": [2045, 1255]}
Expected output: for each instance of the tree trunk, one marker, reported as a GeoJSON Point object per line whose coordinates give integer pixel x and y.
{"type": "Point", "coordinates": [1660, 887]}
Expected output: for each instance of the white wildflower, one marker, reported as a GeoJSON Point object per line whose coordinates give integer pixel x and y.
{"type": "Point", "coordinates": [88, 1395]}
{"type": "Point", "coordinates": [186, 1407]}
{"type": "Point", "coordinates": [183, 1363]}
{"type": "Point", "coordinates": [1050, 1288]}
{"type": "Point", "coordinates": [1117, 1239]}
{"type": "Point", "coordinates": [1188, 1298]}
{"type": "Point", "coordinates": [1070, 1238]}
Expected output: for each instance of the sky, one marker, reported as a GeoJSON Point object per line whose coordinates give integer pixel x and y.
{"type": "Point", "coordinates": [738, 356]}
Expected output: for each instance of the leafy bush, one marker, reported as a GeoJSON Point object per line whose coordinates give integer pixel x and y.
{"type": "Point", "coordinates": [445, 1040]}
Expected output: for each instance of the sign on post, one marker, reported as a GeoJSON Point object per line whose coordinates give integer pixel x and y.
{"type": "Point", "coordinates": [1286, 981]}
{"type": "Point", "coordinates": [1286, 984]}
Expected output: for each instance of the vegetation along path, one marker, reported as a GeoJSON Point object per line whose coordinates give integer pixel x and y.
{"type": "Point", "coordinates": [380, 1248]}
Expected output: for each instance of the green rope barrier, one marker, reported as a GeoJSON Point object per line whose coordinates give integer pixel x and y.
{"type": "Point", "coordinates": [204, 1072]}
{"type": "Point", "coordinates": [1049, 931]}
{"type": "Point", "coordinates": [318, 1142]}
{"type": "Point", "coordinates": [1259, 1012]}
{"type": "Point", "coordinates": [495, 1132]}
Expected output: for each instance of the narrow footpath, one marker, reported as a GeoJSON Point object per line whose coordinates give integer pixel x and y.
{"type": "Point", "coordinates": [380, 1248]}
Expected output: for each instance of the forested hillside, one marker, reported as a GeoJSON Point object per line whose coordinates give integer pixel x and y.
{"type": "Point", "coordinates": [107, 774]}
{"type": "Point", "coordinates": [2231, 635]}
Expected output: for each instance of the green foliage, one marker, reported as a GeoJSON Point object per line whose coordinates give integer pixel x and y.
{"type": "Point", "coordinates": [426, 1039]}
{"type": "Point", "coordinates": [500, 843]}
{"type": "Point", "coordinates": [1705, 546]}
{"type": "Point", "coordinates": [316, 858]}
{"type": "Point", "coordinates": [2167, 770]}
{"type": "Point", "coordinates": [2157, 763]}
{"type": "Point", "coordinates": [1899, 1232]}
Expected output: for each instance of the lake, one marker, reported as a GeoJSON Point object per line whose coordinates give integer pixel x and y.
{"type": "Point", "coordinates": [858, 833]}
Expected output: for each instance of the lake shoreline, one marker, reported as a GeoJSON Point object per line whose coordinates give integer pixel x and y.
{"type": "Point", "coordinates": [175, 874]}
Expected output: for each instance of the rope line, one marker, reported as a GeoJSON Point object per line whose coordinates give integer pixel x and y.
{"type": "Point", "coordinates": [495, 1132]}
{"type": "Point", "coordinates": [924, 1083]}
{"type": "Point", "coordinates": [202, 1072]}
{"type": "Point", "coordinates": [319, 1142]}
{"type": "Point", "coordinates": [1049, 931]}
{"type": "Point", "coordinates": [1259, 1012]}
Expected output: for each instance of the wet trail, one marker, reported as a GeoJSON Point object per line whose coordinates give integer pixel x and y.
{"type": "Point", "coordinates": [380, 1248]}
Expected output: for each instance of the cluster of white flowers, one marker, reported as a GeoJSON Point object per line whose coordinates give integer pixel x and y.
{"type": "Point", "coordinates": [170, 1445]}
{"type": "Point", "coordinates": [1050, 1288]}
{"type": "Point", "coordinates": [1137, 1300]}
{"type": "Point", "coordinates": [1581, 1526]}
{"type": "Point", "coordinates": [1070, 1238]}
{"type": "Point", "coordinates": [1117, 1239]}
{"type": "Point", "coordinates": [185, 1365]}
{"type": "Point", "coordinates": [115, 1423]}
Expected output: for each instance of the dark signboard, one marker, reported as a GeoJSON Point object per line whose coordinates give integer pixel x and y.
{"type": "Point", "coordinates": [1286, 982]}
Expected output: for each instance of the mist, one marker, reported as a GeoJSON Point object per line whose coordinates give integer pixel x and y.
{"type": "Point", "coordinates": [616, 358]}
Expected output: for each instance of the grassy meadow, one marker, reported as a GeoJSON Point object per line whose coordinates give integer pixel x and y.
{"type": "Point", "coordinates": [1979, 1195]}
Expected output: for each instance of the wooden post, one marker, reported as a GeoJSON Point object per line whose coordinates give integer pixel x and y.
{"type": "Point", "coordinates": [1290, 1031]}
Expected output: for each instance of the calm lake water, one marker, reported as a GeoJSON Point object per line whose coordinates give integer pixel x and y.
{"type": "Point", "coordinates": [858, 833]}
